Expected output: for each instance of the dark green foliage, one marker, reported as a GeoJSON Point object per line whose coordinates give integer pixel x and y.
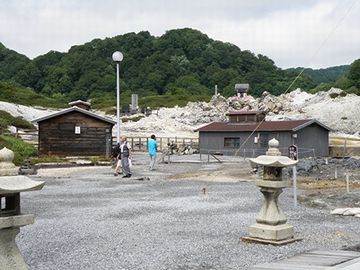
{"type": "Point", "coordinates": [25, 96]}
{"type": "Point", "coordinates": [350, 81]}
{"type": "Point", "coordinates": [21, 149]}
{"type": "Point", "coordinates": [13, 66]}
{"type": "Point", "coordinates": [334, 95]}
{"type": "Point", "coordinates": [170, 100]}
{"type": "Point", "coordinates": [354, 76]}
{"type": "Point", "coordinates": [181, 62]}
{"type": "Point", "coordinates": [131, 119]}
{"type": "Point", "coordinates": [6, 119]}
{"type": "Point", "coordinates": [322, 87]}
{"type": "Point", "coordinates": [323, 75]}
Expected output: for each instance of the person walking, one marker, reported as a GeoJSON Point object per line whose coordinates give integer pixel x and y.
{"type": "Point", "coordinates": [126, 154]}
{"type": "Point", "coordinates": [117, 157]}
{"type": "Point", "coordinates": [152, 148]}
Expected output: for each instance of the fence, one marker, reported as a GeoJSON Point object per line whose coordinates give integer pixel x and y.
{"type": "Point", "coordinates": [140, 143]}
{"type": "Point", "coordinates": [252, 153]}
{"type": "Point", "coordinates": [137, 143]}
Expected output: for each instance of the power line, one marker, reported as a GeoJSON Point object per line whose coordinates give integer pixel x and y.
{"type": "Point", "coordinates": [303, 69]}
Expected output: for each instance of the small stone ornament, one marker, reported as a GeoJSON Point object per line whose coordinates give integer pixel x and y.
{"type": "Point", "coordinates": [7, 167]}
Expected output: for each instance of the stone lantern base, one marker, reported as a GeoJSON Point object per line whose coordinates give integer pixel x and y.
{"type": "Point", "coordinates": [271, 234]}
{"type": "Point", "coordinates": [10, 256]}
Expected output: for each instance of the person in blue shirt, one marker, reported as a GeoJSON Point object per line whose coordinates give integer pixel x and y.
{"type": "Point", "coordinates": [152, 148]}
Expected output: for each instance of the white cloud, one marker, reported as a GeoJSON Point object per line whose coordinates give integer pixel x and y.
{"type": "Point", "coordinates": [289, 32]}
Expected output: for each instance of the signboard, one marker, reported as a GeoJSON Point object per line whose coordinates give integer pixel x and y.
{"type": "Point", "coordinates": [77, 130]}
{"type": "Point", "coordinates": [293, 152]}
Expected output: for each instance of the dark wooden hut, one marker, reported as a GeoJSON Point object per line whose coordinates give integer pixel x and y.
{"type": "Point", "coordinates": [75, 132]}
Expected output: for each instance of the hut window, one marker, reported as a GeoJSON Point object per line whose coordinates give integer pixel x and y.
{"type": "Point", "coordinates": [66, 126]}
{"type": "Point", "coordinates": [231, 142]}
{"type": "Point", "coordinates": [77, 130]}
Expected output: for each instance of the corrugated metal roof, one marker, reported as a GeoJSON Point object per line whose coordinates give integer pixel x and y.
{"type": "Point", "coordinates": [244, 112]}
{"type": "Point", "coordinates": [242, 86]}
{"type": "Point", "coordinates": [292, 125]}
{"type": "Point", "coordinates": [77, 109]}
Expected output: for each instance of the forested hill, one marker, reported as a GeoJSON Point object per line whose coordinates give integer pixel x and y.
{"type": "Point", "coordinates": [324, 75]}
{"type": "Point", "coordinates": [180, 62]}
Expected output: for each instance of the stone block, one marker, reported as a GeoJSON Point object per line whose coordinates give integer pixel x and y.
{"type": "Point", "coordinates": [269, 232]}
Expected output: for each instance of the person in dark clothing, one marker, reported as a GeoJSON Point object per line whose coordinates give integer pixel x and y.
{"type": "Point", "coordinates": [117, 156]}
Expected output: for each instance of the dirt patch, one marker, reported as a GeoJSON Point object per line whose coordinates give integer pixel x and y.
{"type": "Point", "coordinates": [218, 173]}
{"type": "Point", "coordinates": [315, 184]}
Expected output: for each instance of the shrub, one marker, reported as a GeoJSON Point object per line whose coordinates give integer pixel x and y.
{"type": "Point", "coordinates": [132, 119]}
{"type": "Point", "coordinates": [26, 96]}
{"type": "Point", "coordinates": [343, 94]}
{"type": "Point", "coordinates": [6, 119]}
{"type": "Point", "coordinates": [21, 149]}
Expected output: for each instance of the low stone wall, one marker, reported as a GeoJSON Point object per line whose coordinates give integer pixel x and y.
{"type": "Point", "coordinates": [344, 151]}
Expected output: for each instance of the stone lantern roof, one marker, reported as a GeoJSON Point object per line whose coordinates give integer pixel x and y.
{"type": "Point", "coordinates": [273, 157]}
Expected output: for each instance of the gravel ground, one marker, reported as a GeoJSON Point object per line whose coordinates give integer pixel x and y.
{"type": "Point", "coordinates": [89, 219]}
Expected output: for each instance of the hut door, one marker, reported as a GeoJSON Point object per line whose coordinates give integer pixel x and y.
{"type": "Point", "coordinates": [264, 140]}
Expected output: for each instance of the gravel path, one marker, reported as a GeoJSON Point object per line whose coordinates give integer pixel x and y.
{"type": "Point", "coordinates": [89, 219]}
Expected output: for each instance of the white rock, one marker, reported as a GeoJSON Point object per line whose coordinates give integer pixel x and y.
{"type": "Point", "coordinates": [352, 212]}
{"type": "Point", "coordinates": [339, 211]}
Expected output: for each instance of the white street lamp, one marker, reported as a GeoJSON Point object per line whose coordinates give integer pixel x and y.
{"type": "Point", "coordinates": [117, 57]}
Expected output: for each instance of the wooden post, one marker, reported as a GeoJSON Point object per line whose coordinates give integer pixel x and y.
{"type": "Point", "coordinates": [347, 183]}
{"type": "Point", "coordinates": [295, 185]}
{"type": "Point", "coordinates": [139, 143]}
{"type": "Point", "coordinates": [132, 142]}
{"type": "Point", "coordinates": [160, 144]}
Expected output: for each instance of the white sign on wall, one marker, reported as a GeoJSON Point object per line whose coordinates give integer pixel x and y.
{"type": "Point", "coordinates": [77, 130]}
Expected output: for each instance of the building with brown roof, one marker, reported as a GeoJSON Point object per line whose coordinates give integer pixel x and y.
{"type": "Point", "coordinates": [251, 132]}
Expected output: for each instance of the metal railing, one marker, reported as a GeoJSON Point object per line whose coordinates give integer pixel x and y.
{"type": "Point", "coordinates": [140, 143]}
{"type": "Point", "coordinates": [252, 153]}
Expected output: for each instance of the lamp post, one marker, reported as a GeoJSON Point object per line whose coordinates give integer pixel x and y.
{"type": "Point", "coordinates": [117, 57]}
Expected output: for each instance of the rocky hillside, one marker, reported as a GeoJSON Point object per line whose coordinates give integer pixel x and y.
{"type": "Point", "coordinates": [333, 108]}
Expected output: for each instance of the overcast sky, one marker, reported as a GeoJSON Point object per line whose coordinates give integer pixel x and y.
{"type": "Point", "coordinates": [310, 33]}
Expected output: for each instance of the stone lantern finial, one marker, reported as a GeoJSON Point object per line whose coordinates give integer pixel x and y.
{"type": "Point", "coordinates": [273, 148]}
{"type": "Point", "coordinates": [7, 167]}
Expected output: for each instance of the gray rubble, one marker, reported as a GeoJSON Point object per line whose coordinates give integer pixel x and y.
{"type": "Point", "coordinates": [93, 220]}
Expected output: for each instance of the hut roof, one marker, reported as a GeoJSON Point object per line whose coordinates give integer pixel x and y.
{"type": "Point", "coordinates": [74, 109]}
{"type": "Point", "coordinates": [292, 125]}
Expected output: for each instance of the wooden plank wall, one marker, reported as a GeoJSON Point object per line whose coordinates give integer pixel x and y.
{"type": "Point", "coordinates": [57, 135]}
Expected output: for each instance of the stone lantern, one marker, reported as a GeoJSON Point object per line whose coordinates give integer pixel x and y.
{"type": "Point", "coordinates": [11, 217]}
{"type": "Point", "coordinates": [271, 226]}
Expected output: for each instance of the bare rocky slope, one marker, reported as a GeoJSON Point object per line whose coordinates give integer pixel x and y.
{"type": "Point", "coordinates": [340, 113]}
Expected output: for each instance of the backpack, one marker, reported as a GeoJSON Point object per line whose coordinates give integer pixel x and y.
{"type": "Point", "coordinates": [115, 151]}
